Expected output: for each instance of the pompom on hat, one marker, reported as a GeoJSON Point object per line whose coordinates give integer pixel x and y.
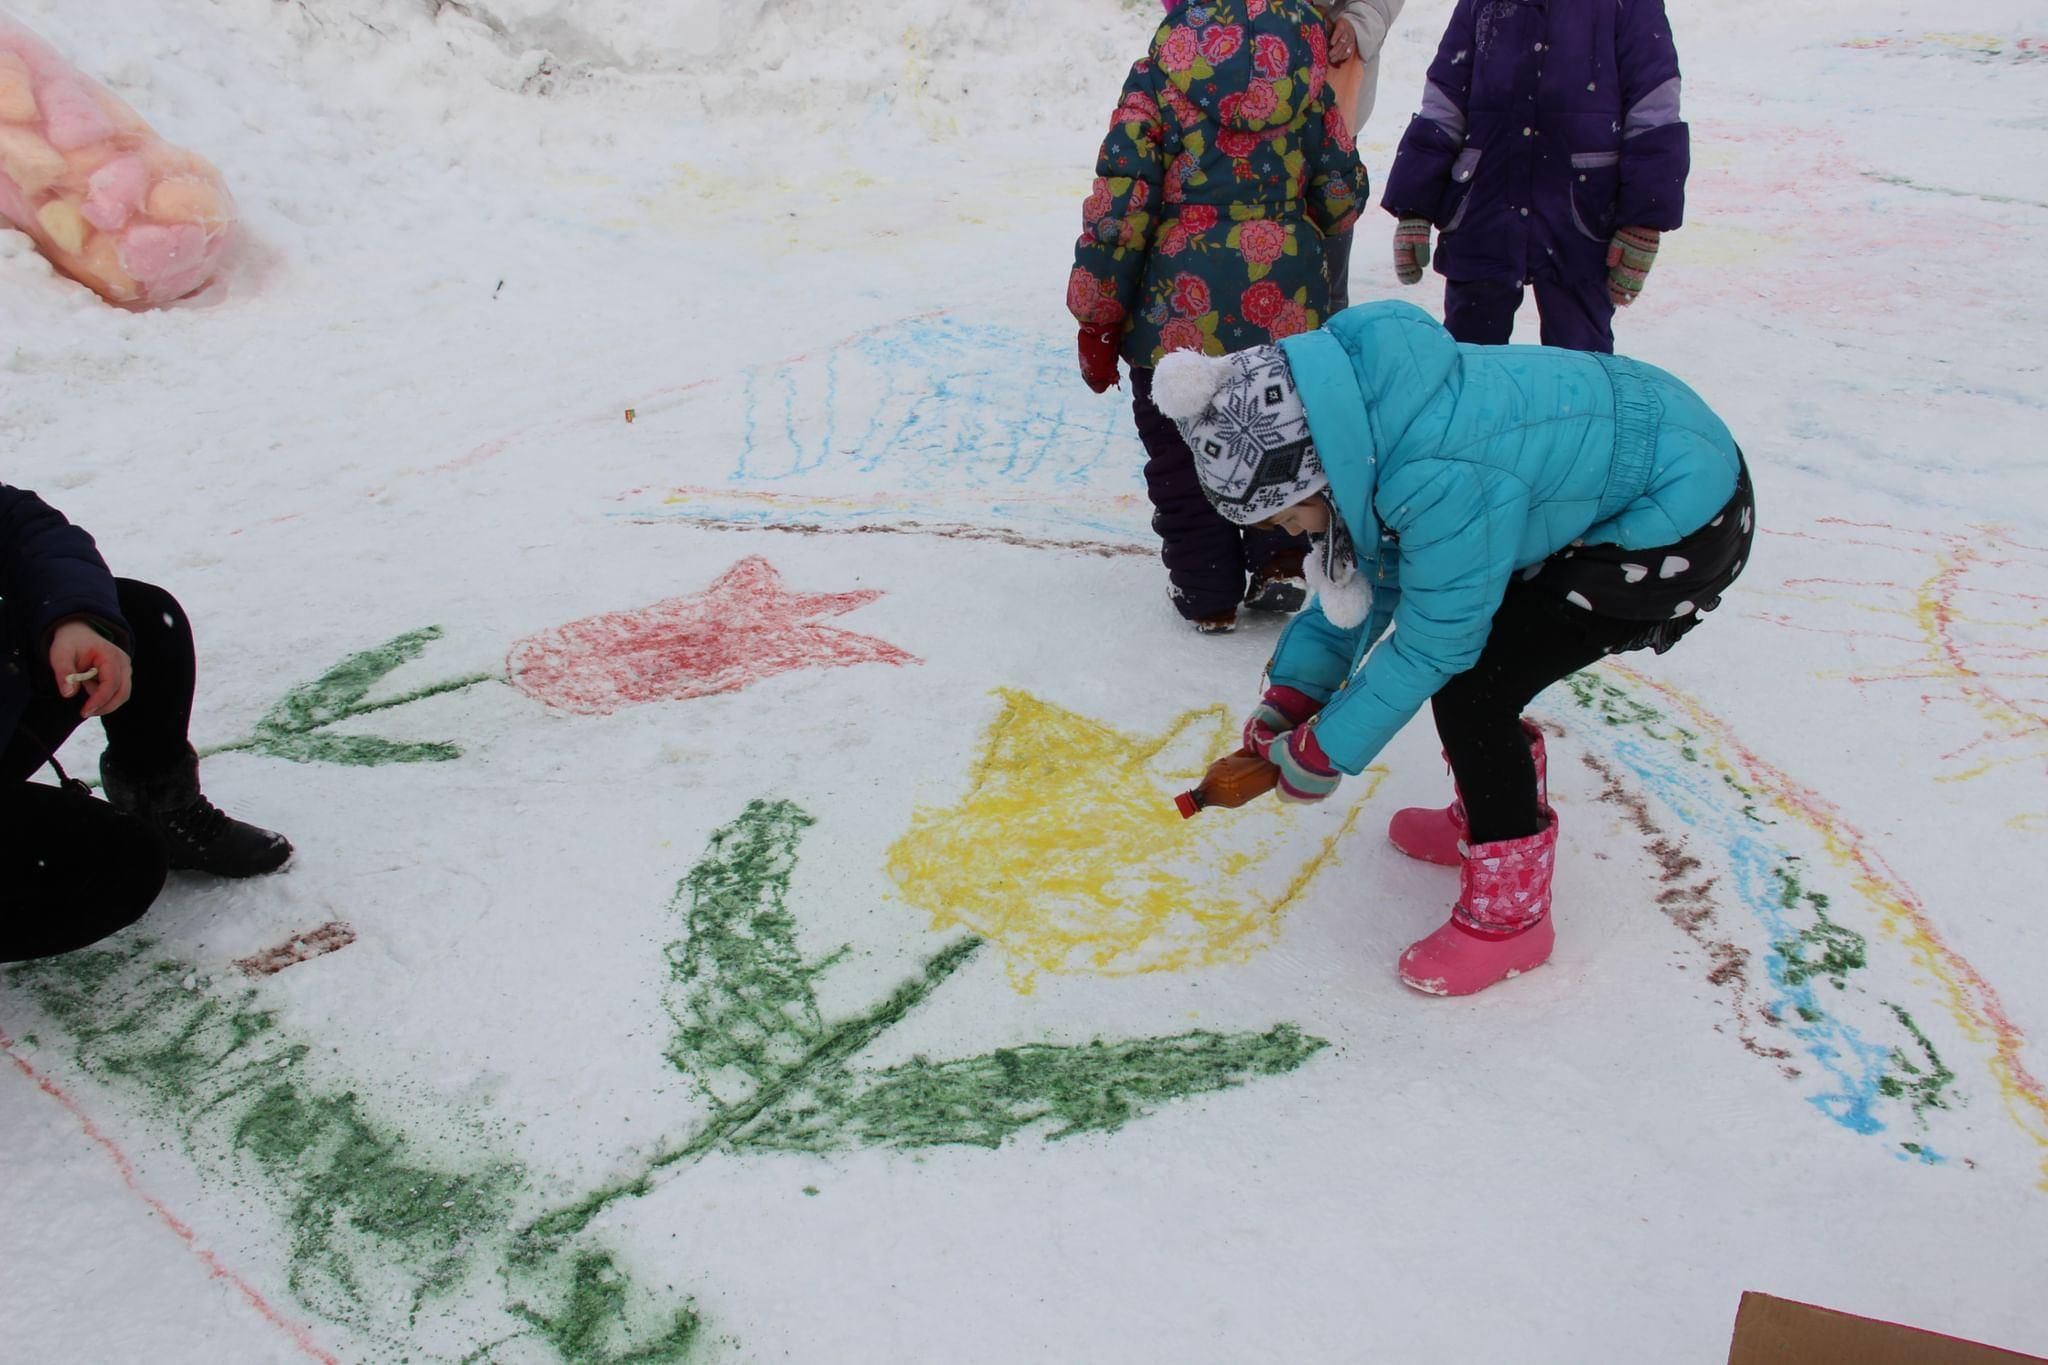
{"type": "Point", "coordinates": [1245, 424]}
{"type": "Point", "coordinates": [1243, 420]}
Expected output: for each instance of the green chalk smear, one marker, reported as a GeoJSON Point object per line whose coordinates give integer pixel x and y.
{"type": "Point", "coordinates": [821, 1068]}
{"type": "Point", "coordinates": [1922, 1083]}
{"type": "Point", "coordinates": [385, 1239]}
{"type": "Point", "coordinates": [296, 728]}
{"type": "Point", "coordinates": [749, 1029]}
{"type": "Point", "coordinates": [1836, 950]}
{"type": "Point", "coordinates": [593, 1316]}
{"type": "Point", "coordinates": [740, 992]}
{"type": "Point", "coordinates": [371, 1220]}
{"type": "Point", "coordinates": [985, 1101]}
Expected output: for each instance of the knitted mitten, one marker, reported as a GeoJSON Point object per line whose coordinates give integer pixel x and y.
{"type": "Point", "coordinates": [1629, 257]}
{"type": "Point", "coordinates": [1280, 710]}
{"type": "Point", "coordinates": [1411, 250]}
{"type": "Point", "coordinates": [1306, 773]}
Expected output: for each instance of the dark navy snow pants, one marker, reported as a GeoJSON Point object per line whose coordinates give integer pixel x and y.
{"type": "Point", "coordinates": [1576, 315]}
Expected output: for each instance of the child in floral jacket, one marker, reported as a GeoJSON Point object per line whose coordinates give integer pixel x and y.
{"type": "Point", "coordinates": [1224, 166]}
{"type": "Point", "coordinates": [1549, 151]}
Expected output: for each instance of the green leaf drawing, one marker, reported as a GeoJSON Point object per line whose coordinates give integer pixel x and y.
{"type": "Point", "coordinates": [749, 1030]}
{"type": "Point", "coordinates": [740, 992]}
{"type": "Point", "coordinates": [338, 693]}
{"type": "Point", "coordinates": [984, 1101]}
{"type": "Point", "coordinates": [295, 728]}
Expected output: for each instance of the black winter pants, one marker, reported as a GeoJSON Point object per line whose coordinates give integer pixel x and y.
{"type": "Point", "coordinates": [1537, 638]}
{"type": "Point", "coordinates": [1206, 555]}
{"type": "Point", "coordinates": [72, 868]}
{"type": "Point", "coordinates": [1575, 314]}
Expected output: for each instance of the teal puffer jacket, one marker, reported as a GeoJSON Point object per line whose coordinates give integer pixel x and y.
{"type": "Point", "coordinates": [1454, 466]}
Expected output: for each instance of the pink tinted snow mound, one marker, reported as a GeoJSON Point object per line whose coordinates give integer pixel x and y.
{"type": "Point", "coordinates": [111, 204]}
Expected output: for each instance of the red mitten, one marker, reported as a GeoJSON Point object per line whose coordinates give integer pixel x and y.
{"type": "Point", "coordinates": [1098, 357]}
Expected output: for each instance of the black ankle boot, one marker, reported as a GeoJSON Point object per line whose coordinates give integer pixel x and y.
{"type": "Point", "coordinates": [198, 835]}
{"type": "Point", "coordinates": [1280, 584]}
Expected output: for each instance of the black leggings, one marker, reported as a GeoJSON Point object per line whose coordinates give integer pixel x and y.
{"type": "Point", "coordinates": [1536, 639]}
{"type": "Point", "coordinates": [72, 868]}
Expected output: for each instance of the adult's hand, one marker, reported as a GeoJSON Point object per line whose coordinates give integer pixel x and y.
{"type": "Point", "coordinates": [76, 648]}
{"type": "Point", "coordinates": [1343, 42]}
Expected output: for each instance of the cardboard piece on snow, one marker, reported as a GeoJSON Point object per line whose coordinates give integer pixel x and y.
{"type": "Point", "coordinates": [1771, 1331]}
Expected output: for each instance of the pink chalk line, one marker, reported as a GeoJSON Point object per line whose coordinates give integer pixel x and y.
{"type": "Point", "coordinates": [300, 1335]}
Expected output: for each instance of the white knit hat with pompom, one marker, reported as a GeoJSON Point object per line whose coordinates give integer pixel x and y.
{"type": "Point", "coordinates": [1242, 417]}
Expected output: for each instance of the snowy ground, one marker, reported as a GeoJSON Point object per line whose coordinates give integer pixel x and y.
{"type": "Point", "coordinates": [857, 996]}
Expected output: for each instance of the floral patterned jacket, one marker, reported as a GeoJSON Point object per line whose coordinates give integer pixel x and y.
{"type": "Point", "coordinates": [1224, 166]}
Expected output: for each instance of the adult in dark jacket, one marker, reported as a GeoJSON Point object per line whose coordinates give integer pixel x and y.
{"type": "Point", "coordinates": [1548, 151]}
{"type": "Point", "coordinates": [76, 643]}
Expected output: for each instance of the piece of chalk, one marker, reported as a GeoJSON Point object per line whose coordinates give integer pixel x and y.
{"type": "Point", "coordinates": [87, 676]}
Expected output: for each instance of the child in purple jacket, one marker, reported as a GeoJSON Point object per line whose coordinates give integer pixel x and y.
{"type": "Point", "coordinates": [1549, 152]}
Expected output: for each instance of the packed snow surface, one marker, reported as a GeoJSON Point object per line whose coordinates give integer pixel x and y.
{"type": "Point", "coordinates": [653, 554]}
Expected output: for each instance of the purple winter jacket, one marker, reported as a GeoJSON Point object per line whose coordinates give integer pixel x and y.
{"type": "Point", "coordinates": [1545, 126]}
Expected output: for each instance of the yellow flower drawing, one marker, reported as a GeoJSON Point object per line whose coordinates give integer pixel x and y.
{"type": "Point", "coordinates": [1067, 851]}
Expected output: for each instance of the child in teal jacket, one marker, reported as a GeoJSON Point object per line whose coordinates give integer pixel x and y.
{"type": "Point", "coordinates": [1512, 513]}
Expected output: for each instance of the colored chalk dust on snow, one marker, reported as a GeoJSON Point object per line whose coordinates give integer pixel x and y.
{"type": "Point", "coordinates": [745, 627]}
{"type": "Point", "coordinates": [781, 1076]}
{"type": "Point", "coordinates": [1835, 968]}
{"type": "Point", "coordinates": [396, 1220]}
{"type": "Point", "coordinates": [1067, 851]}
{"type": "Point", "coordinates": [908, 427]}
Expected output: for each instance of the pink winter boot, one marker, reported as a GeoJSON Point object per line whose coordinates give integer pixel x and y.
{"type": "Point", "coordinates": [1438, 836]}
{"type": "Point", "coordinates": [1501, 924]}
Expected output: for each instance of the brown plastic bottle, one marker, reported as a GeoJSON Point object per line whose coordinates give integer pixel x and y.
{"type": "Point", "coordinates": [1231, 781]}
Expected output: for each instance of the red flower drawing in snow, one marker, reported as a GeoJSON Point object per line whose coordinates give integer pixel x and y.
{"type": "Point", "coordinates": [743, 628]}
